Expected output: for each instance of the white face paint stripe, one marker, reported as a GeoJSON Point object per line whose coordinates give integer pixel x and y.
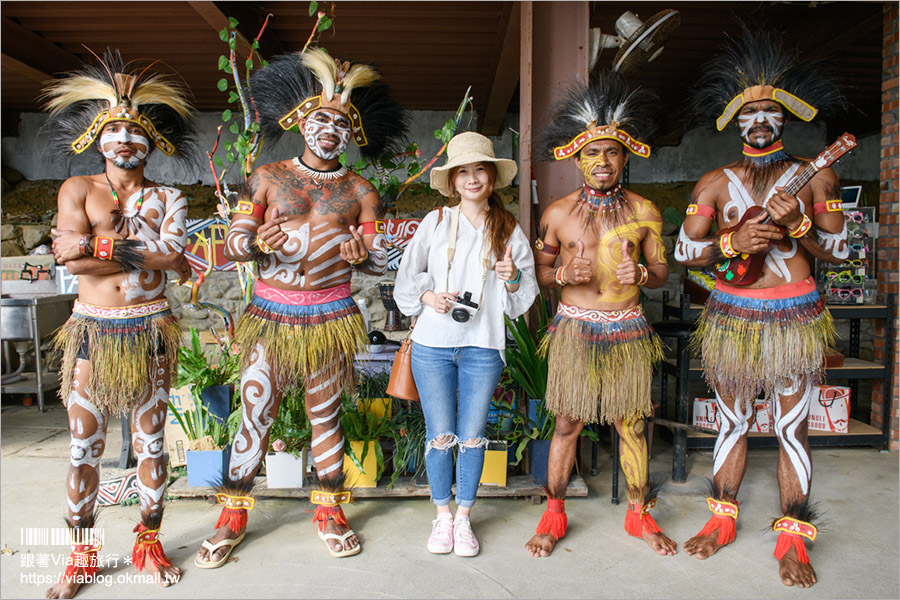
{"type": "Point", "coordinates": [123, 136]}
{"type": "Point", "coordinates": [747, 122]}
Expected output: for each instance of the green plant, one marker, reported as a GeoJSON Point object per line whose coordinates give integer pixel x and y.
{"type": "Point", "coordinates": [373, 386]}
{"type": "Point", "coordinates": [196, 367]}
{"type": "Point", "coordinates": [408, 432]}
{"type": "Point", "coordinates": [198, 423]}
{"type": "Point", "coordinates": [360, 424]}
{"type": "Point", "coordinates": [291, 424]}
{"type": "Point", "coordinates": [525, 365]}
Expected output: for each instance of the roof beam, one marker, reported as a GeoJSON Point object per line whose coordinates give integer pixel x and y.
{"type": "Point", "coordinates": [218, 21]}
{"type": "Point", "coordinates": [30, 49]}
{"type": "Point", "coordinates": [8, 63]}
{"type": "Point", "coordinates": [506, 73]}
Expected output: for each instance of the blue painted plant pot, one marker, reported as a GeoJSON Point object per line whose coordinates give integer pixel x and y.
{"type": "Point", "coordinates": [205, 468]}
{"type": "Point", "coordinates": [533, 412]}
{"type": "Point", "coordinates": [539, 455]}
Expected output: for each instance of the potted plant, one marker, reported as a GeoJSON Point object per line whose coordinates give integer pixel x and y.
{"type": "Point", "coordinates": [363, 429]}
{"type": "Point", "coordinates": [408, 432]}
{"type": "Point", "coordinates": [210, 383]}
{"type": "Point", "coordinates": [372, 388]}
{"type": "Point", "coordinates": [208, 450]}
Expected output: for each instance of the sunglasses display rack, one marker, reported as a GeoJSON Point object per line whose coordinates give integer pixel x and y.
{"type": "Point", "coordinates": [854, 280]}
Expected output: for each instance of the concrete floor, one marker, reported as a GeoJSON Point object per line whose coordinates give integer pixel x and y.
{"type": "Point", "coordinates": [856, 555]}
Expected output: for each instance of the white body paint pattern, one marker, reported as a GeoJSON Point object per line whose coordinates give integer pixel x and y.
{"type": "Point", "coordinates": [325, 408]}
{"type": "Point", "coordinates": [163, 230]}
{"type": "Point", "coordinates": [257, 390]}
{"type": "Point", "coordinates": [775, 120]}
{"type": "Point", "coordinates": [732, 426]}
{"type": "Point", "coordinates": [283, 264]}
{"type": "Point", "coordinates": [776, 260]}
{"type": "Point", "coordinates": [84, 451]}
{"type": "Point", "coordinates": [687, 249]}
{"type": "Point", "coordinates": [378, 256]}
{"type": "Point", "coordinates": [149, 444]}
{"type": "Point", "coordinates": [786, 429]}
{"type": "Point", "coordinates": [836, 243]}
{"type": "Point", "coordinates": [238, 238]}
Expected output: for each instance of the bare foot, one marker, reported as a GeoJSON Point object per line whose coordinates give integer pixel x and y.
{"type": "Point", "coordinates": [167, 575]}
{"type": "Point", "coordinates": [540, 545]}
{"type": "Point", "coordinates": [703, 546]}
{"type": "Point", "coordinates": [660, 543]}
{"type": "Point", "coordinates": [349, 544]}
{"type": "Point", "coordinates": [63, 589]}
{"type": "Point", "coordinates": [222, 533]}
{"type": "Point", "coordinates": [793, 571]}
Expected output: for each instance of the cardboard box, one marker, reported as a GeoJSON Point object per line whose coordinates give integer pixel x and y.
{"type": "Point", "coordinates": [176, 439]}
{"type": "Point", "coordinates": [830, 410]}
{"type": "Point", "coordinates": [705, 415]}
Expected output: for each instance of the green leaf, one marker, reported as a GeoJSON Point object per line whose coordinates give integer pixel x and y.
{"type": "Point", "coordinates": [222, 84]}
{"type": "Point", "coordinates": [218, 161]}
{"type": "Point", "coordinates": [230, 157]}
{"type": "Point", "coordinates": [265, 63]}
{"type": "Point", "coordinates": [232, 97]}
{"type": "Point", "coordinates": [232, 22]}
{"type": "Point", "coordinates": [325, 24]}
{"type": "Point", "coordinates": [226, 114]}
{"type": "Point", "coordinates": [224, 65]}
{"type": "Point", "coordinates": [255, 45]}
{"type": "Point", "coordinates": [223, 35]}
{"type": "Point", "coordinates": [227, 146]}
{"type": "Point", "coordinates": [254, 126]}
{"type": "Point", "coordinates": [248, 63]}
{"type": "Point", "coordinates": [235, 128]}
{"type": "Point", "coordinates": [343, 159]}
{"type": "Point", "coordinates": [313, 6]}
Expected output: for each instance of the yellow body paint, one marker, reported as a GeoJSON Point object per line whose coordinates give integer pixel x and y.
{"type": "Point", "coordinates": [633, 458]}
{"type": "Point", "coordinates": [609, 251]}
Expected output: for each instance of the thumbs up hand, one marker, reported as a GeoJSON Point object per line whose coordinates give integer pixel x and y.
{"type": "Point", "coordinates": [506, 269]}
{"type": "Point", "coordinates": [579, 269]}
{"type": "Point", "coordinates": [628, 271]}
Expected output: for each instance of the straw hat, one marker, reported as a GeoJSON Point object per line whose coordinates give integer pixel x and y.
{"type": "Point", "coordinates": [467, 148]}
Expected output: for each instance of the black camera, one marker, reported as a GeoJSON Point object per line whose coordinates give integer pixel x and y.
{"type": "Point", "coordinates": [463, 309]}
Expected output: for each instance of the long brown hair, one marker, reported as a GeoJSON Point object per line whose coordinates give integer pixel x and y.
{"type": "Point", "coordinates": [499, 223]}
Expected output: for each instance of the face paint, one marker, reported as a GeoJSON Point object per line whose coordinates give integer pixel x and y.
{"type": "Point", "coordinates": [601, 162]}
{"type": "Point", "coordinates": [111, 140]}
{"type": "Point", "coordinates": [773, 119]}
{"type": "Point", "coordinates": [320, 124]}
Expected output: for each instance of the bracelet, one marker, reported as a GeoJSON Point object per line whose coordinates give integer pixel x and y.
{"type": "Point", "coordinates": [802, 229]}
{"type": "Point", "coordinates": [360, 261]}
{"type": "Point", "coordinates": [83, 245]}
{"type": "Point", "coordinates": [103, 248]}
{"type": "Point", "coordinates": [266, 249]}
{"type": "Point", "coordinates": [560, 277]}
{"type": "Point", "coordinates": [726, 246]}
{"type": "Point", "coordinates": [645, 275]}
{"type": "Point", "coordinates": [516, 280]}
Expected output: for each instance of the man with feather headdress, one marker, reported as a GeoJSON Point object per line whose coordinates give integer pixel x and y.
{"type": "Point", "coordinates": [599, 346]}
{"type": "Point", "coordinates": [119, 232]}
{"type": "Point", "coordinates": [307, 222]}
{"type": "Point", "coordinates": [768, 335]}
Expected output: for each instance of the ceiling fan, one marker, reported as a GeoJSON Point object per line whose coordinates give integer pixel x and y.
{"type": "Point", "coordinates": [638, 42]}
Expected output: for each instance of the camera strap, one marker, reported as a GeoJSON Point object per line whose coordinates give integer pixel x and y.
{"type": "Point", "coordinates": [451, 251]}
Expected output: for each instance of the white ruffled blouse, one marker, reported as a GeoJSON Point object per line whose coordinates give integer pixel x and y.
{"type": "Point", "coordinates": [424, 267]}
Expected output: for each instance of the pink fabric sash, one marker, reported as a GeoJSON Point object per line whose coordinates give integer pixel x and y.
{"type": "Point", "coordinates": [302, 298]}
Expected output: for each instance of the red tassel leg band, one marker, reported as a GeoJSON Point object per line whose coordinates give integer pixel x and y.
{"type": "Point", "coordinates": [146, 546]}
{"type": "Point", "coordinates": [83, 563]}
{"type": "Point", "coordinates": [554, 520]}
{"type": "Point", "coordinates": [724, 520]}
{"type": "Point", "coordinates": [234, 513]}
{"type": "Point", "coordinates": [792, 531]}
{"type": "Point", "coordinates": [638, 519]}
{"type": "Point", "coordinates": [328, 507]}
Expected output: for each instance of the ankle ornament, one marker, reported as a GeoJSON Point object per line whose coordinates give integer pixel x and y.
{"type": "Point", "coordinates": [638, 518]}
{"type": "Point", "coordinates": [554, 521]}
{"type": "Point", "coordinates": [724, 520]}
{"type": "Point", "coordinates": [328, 507]}
{"type": "Point", "coordinates": [234, 513]}
{"type": "Point", "coordinates": [147, 545]}
{"type": "Point", "coordinates": [791, 533]}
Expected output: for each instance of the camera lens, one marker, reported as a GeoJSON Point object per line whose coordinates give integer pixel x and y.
{"type": "Point", "coordinates": [460, 315]}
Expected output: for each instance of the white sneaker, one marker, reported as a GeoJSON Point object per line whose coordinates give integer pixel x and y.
{"type": "Point", "coordinates": [441, 539]}
{"type": "Point", "coordinates": [464, 541]}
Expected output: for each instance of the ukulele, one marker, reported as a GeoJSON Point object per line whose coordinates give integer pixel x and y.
{"type": "Point", "coordinates": [744, 268]}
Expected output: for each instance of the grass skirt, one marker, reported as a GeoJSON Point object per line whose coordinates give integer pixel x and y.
{"type": "Point", "coordinates": [600, 364]}
{"type": "Point", "coordinates": [118, 342]}
{"type": "Point", "coordinates": [300, 340]}
{"type": "Point", "coordinates": [751, 344]}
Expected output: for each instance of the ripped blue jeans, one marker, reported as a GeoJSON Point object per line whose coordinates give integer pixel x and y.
{"type": "Point", "coordinates": [439, 373]}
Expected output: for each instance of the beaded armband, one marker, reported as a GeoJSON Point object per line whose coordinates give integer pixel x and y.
{"type": "Point", "coordinates": [802, 229]}
{"type": "Point", "coordinates": [725, 245]}
{"type": "Point", "coordinates": [645, 275]}
{"type": "Point", "coordinates": [827, 207]}
{"type": "Point", "coordinates": [545, 247]}
{"type": "Point", "coordinates": [701, 210]}
{"type": "Point", "coordinates": [103, 247]}
{"type": "Point", "coordinates": [372, 227]}
{"type": "Point", "coordinates": [249, 208]}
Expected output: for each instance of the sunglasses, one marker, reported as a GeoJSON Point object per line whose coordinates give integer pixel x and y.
{"type": "Point", "coordinates": [856, 217]}
{"type": "Point", "coordinates": [845, 277]}
{"type": "Point", "coordinates": [859, 247]}
{"type": "Point", "coordinates": [844, 293]}
{"type": "Point", "coordinates": [856, 262]}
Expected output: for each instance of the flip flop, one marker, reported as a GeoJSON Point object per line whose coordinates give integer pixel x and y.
{"type": "Point", "coordinates": [341, 538]}
{"type": "Point", "coordinates": [215, 564]}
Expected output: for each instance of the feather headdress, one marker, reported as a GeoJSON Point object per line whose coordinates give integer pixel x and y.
{"type": "Point", "coordinates": [293, 85]}
{"type": "Point", "coordinates": [86, 100]}
{"type": "Point", "coordinates": [608, 108]}
{"type": "Point", "coordinates": [760, 67]}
